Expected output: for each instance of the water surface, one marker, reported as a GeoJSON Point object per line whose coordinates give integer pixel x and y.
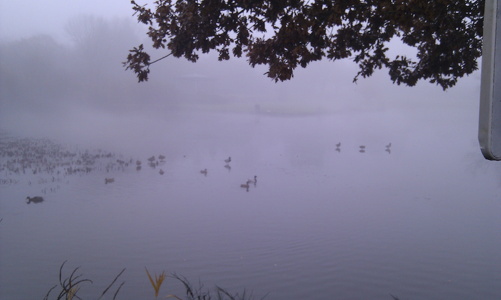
{"type": "Point", "coordinates": [420, 221]}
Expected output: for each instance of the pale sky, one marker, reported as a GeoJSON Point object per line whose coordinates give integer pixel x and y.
{"type": "Point", "coordinates": [24, 18]}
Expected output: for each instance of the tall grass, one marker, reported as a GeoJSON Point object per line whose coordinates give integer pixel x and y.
{"type": "Point", "coordinates": [70, 286]}
{"type": "Point", "coordinates": [157, 282]}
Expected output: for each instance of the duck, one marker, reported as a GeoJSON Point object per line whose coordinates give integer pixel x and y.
{"type": "Point", "coordinates": [109, 180]}
{"type": "Point", "coordinates": [388, 146]}
{"type": "Point", "coordinates": [253, 181]}
{"type": "Point", "coordinates": [338, 145]}
{"type": "Point", "coordinates": [36, 199]}
{"type": "Point", "coordinates": [228, 160]}
{"type": "Point", "coordinates": [161, 172]}
{"type": "Point", "coordinates": [362, 146]}
{"type": "Point", "coordinates": [204, 171]}
{"type": "Point", "coordinates": [245, 186]}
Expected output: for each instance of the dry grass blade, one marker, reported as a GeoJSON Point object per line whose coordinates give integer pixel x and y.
{"type": "Point", "coordinates": [72, 293]}
{"type": "Point", "coordinates": [157, 282]}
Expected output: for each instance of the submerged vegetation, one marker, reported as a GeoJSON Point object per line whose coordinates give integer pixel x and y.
{"type": "Point", "coordinates": [45, 163]}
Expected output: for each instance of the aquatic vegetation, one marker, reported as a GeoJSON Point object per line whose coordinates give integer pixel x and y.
{"type": "Point", "coordinates": [200, 293]}
{"type": "Point", "coordinates": [157, 283]}
{"type": "Point", "coordinates": [70, 286]}
{"type": "Point", "coordinates": [72, 293]}
{"type": "Point", "coordinates": [46, 163]}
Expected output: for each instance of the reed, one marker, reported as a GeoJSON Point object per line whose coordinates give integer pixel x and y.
{"type": "Point", "coordinates": [200, 293]}
{"type": "Point", "coordinates": [70, 285]}
{"type": "Point", "coordinates": [157, 283]}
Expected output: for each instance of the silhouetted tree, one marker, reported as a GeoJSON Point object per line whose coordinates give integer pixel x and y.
{"type": "Point", "coordinates": [285, 34]}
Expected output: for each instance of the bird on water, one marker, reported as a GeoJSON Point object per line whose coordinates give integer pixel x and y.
{"type": "Point", "coordinates": [36, 199]}
{"type": "Point", "coordinates": [245, 186]}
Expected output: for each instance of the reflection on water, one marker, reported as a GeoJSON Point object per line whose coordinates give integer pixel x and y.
{"type": "Point", "coordinates": [342, 213]}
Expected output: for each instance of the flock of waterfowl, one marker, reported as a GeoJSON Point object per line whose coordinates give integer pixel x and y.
{"type": "Point", "coordinates": [362, 148]}
{"type": "Point", "coordinates": [49, 164]}
{"type": "Point", "coordinates": [246, 185]}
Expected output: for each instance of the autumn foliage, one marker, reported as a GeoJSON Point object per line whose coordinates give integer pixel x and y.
{"type": "Point", "coordinates": [285, 34]}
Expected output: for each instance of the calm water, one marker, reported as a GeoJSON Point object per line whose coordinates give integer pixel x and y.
{"type": "Point", "coordinates": [420, 222]}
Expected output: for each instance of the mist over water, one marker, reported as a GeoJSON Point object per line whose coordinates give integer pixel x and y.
{"type": "Point", "coordinates": [420, 221]}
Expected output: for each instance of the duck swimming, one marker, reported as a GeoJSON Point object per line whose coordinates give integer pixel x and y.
{"type": "Point", "coordinates": [228, 160]}
{"type": "Point", "coordinates": [204, 171]}
{"type": "Point", "coordinates": [245, 186]}
{"type": "Point", "coordinates": [36, 199]}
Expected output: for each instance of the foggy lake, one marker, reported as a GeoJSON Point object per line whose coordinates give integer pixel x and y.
{"type": "Point", "coordinates": [418, 219]}
{"type": "Point", "coordinates": [335, 189]}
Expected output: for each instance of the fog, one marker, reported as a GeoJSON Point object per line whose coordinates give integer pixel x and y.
{"type": "Point", "coordinates": [55, 85]}
{"type": "Point", "coordinates": [322, 220]}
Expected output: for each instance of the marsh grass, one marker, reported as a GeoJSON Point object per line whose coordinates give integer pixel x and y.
{"type": "Point", "coordinates": [70, 285]}
{"type": "Point", "coordinates": [201, 293]}
{"type": "Point", "coordinates": [157, 283]}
